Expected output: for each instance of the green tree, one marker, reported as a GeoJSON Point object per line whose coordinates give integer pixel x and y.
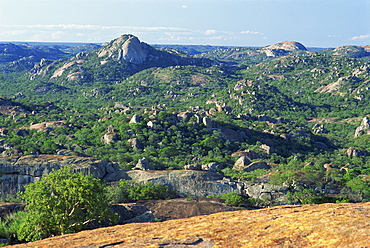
{"type": "Point", "coordinates": [63, 202]}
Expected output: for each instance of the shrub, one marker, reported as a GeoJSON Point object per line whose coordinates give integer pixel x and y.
{"type": "Point", "coordinates": [63, 202]}
{"type": "Point", "coordinates": [130, 191]}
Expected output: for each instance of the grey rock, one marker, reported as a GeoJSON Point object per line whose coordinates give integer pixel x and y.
{"type": "Point", "coordinates": [241, 163]}
{"type": "Point", "coordinates": [143, 164]}
{"type": "Point", "coordinates": [364, 127]}
{"type": "Point", "coordinates": [135, 143]}
{"type": "Point", "coordinates": [17, 172]}
{"type": "Point", "coordinates": [135, 119]}
{"type": "Point", "coordinates": [192, 167]}
{"type": "Point", "coordinates": [211, 167]}
{"type": "Point", "coordinates": [256, 165]}
{"type": "Point", "coordinates": [185, 182]}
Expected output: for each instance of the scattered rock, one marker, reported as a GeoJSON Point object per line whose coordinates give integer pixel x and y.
{"type": "Point", "coordinates": [211, 167]}
{"type": "Point", "coordinates": [192, 167]}
{"type": "Point", "coordinates": [351, 152]}
{"type": "Point", "coordinates": [143, 164]}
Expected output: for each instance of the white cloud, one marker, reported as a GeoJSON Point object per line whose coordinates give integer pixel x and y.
{"type": "Point", "coordinates": [210, 32]}
{"type": "Point", "coordinates": [361, 37]}
{"type": "Point", "coordinates": [249, 32]}
{"type": "Point", "coordinates": [184, 6]}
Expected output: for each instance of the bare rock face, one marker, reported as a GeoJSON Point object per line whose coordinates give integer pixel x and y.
{"type": "Point", "coordinates": [283, 48]}
{"type": "Point", "coordinates": [17, 171]}
{"type": "Point", "coordinates": [241, 163]}
{"type": "Point", "coordinates": [126, 47]}
{"type": "Point", "coordinates": [364, 127]}
{"type": "Point", "coordinates": [287, 46]}
{"type": "Point", "coordinates": [135, 143]}
{"type": "Point", "coordinates": [318, 225]}
{"type": "Point", "coordinates": [135, 119]}
{"type": "Point", "coordinates": [185, 182]}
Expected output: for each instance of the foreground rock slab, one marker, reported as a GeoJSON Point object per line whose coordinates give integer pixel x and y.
{"type": "Point", "coordinates": [325, 225]}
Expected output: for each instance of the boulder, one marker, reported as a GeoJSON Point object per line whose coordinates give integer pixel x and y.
{"type": "Point", "coordinates": [256, 165]}
{"type": "Point", "coordinates": [143, 164]}
{"type": "Point", "coordinates": [241, 163]}
{"type": "Point", "coordinates": [208, 122]}
{"type": "Point", "coordinates": [135, 143]}
{"type": "Point", "coordinates": [135, 119]}
{"type": "Point", "coordinates": [351, 152]}
{"type": "Point", "coordinates": [214, 167]}
{"type": "Point", "coordinates": [364, 127]}
{"type": "Point", "coordinates": [109, 138]}
{"type": "Point", "coordinates": [250, 154]}
{"type": "Point", "coordinates": [192, 167]}
{"type": "Point", "coordinates": [132, 213]}
{"type": "Point", "coordinates": [268, 149]}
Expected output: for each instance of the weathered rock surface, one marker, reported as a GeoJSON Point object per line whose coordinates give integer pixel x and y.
{"type": "Point", "coordinates": [185, 182]}
{"type": "Point", "coordinates": [241, 163]}
{"type": "Point", "coordinates": [186, 207]}
{"type": "Point", "coordinates": [364, 127]}
{"type": "Point", "coordinates": [323, 225]}
{"type": "Point", "coordinates": [128, 48]}
{"type": "Point", "coordinates": [143, 164]}
{"type": "Point", "coordinates": [20, 171]}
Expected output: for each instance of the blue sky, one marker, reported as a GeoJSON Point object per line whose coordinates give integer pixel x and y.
{"type": "Point", "coordinates": [314, 23]}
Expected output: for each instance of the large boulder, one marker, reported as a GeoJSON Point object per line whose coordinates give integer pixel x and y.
{"type": "Point", "coordinates": [241, 163]}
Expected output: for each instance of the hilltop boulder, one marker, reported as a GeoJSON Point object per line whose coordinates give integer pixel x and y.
{"type": "Point", "coordinates": [364, 127]}
{"type": "Point", "coordinates": [126, 47]}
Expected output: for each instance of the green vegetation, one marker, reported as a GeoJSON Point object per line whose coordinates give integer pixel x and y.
{"type": "Point", "coordinates": [129, 191]}
{"type": "Point", "coordinates": [62, 202]}
{"type": "Point", "coordinates": [297, 112]}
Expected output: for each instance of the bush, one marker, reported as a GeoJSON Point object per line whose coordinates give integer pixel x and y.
{"type": "Point", "coordinates": [130, 191]}
{"type": "Point", "coordinates": [63, 202]}
{"type": "Point", "coordinates": [232, 199]}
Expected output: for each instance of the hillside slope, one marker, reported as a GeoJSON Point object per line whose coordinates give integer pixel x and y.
{"type": "Point", "coordinates": [326, 225]}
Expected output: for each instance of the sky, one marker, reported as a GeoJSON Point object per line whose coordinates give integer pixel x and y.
{"type": "Point", "coordinates": [314, 23]}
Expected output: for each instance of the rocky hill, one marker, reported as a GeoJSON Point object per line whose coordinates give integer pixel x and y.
{"type": "Point", "coordinates": [325, 225]}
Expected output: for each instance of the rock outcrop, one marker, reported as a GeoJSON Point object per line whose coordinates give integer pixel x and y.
{"type": "Point", "coordinates": [143, 164]}
{"type": "Point", "coordinates": [321, 225]}
{"type": "Point", "coordinates": [185, 182]}
{"type": "Point", "coordinates": [126, 47]}
{"type": "Point", "coordinates": [364, 127]}
{"type": "Point", "coordinates": [283, 48]}
{"type": "Point", "coordinates": [17, 172]}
